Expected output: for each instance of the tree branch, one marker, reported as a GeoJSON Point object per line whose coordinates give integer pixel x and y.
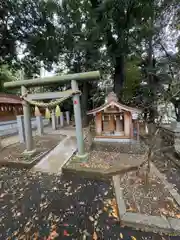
{"type": "Point", "coordinates": [169, 57]}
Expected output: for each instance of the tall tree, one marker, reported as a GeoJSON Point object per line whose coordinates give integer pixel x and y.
{"type": "Point", "coordinates": [153, 35]}
{"type": "Point", "coordinates": [119, 22]}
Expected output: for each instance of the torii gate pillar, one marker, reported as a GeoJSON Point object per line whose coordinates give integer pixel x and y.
{"type": "Point", "coordinates": [27, 122]}
{"type": "Point", "coordinates": [78, 122]}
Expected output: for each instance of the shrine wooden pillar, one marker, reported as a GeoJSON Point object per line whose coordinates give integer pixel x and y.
{"type": "Point", "coordinates": [127, 124]}
{"type": "Point", "coordinates": [131, 126]}
{"type": "Point", "coordinates": [111, 123]}
{"type": "Point", "coordinates": [137, 126]}
{"type": "Point", "coordinates": [99, 123]}
{"type": "Point", "coordinates": [119, 124]}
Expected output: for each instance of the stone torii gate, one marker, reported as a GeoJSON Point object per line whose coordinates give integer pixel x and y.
{"type": "Point", "coordinates": [74, 78]}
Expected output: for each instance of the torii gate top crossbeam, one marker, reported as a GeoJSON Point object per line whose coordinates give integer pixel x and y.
{"type": "Point", "coordinates": [49, 95]}
{"type": "Point", "coordinates": [94, 75]}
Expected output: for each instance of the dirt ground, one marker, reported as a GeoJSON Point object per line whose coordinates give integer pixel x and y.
{"type": "Point", "coordinates": [150, 199]}
{"type": "Point", "coordinates": [164, 164]}
{"type": "Point", "coordinates": [105, 156]}
{"type": "Point", "coordinates": [13, 153]}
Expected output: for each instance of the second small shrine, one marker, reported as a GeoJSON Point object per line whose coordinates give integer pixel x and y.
{"type": "Point", "coordinates": [115, 120]}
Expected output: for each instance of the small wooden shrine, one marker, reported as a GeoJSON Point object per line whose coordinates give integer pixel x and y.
{"type": "Point", "coordinates": [115, 120]}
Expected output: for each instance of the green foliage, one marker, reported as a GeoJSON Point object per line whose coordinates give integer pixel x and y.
{"type": "Point", "coordinates": [6, 75]}
{"type": "Point", "coordinates": [132, 80]}
{"type": "Point", "coordinates": [119, 22]}
{"type": "Point", "coordinates": [28, 25]}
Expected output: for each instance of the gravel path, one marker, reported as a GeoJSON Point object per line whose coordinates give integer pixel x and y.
{"type": "Point", "coordinates": [34, 204]}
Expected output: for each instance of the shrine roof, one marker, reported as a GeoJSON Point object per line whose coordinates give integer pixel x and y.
{"type": "Point", "coordinates": [112, 100]}
{"type": "Point", "coordinates": [9, 99]}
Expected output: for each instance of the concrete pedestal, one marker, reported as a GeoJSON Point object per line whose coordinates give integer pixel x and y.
{"type": "Point", "coordinates": [57, 120]}
{"type": "Point", "coordinates": [53, 117]}
{"type": "Point", "coordinates": [62, 120]}
{"type": "Point", "coordinates": [82, 158]}
{"type": "Point", "coordinates": [20, 125]}
{"type": "Point", "coordinates": [67, 118]}
{"type": "Point", "coordinates": [39, 122]}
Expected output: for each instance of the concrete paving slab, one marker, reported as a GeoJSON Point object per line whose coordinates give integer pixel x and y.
{"type": "Point", "coordinates": [175, 224]}
{"type": "Point", "coordinates": [167, 185]}
{"type": "Point", "coordinates": [119, 196]}
{"type": "Point", "coordinates": [54, 161]}
{"type": "Point", "coordinates": [148, 223]}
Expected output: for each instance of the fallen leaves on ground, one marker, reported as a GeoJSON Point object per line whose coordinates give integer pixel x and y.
{"type": "Point", "coordinates": [85, 165]}
{"type": "Point", "coordinates": [65, 233]}
{"type": "Point", "coordinates": [130, 209]}
{"type": "Point", "coordinates": [91, 218]}
{"type": "Point", "coordinates": [53, 235]}
{"type": "Point", "coordinates": [153, 199]}
{"type": "Point", "coordinates": [111, 208]}
{"type": "Point", "coordinates": [36, 236]}
{"type": "Point", "coordinates": [95, 237]}
{"type": "Point", "coordinates": [121, 235]}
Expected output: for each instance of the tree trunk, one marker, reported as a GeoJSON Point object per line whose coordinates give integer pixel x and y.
{"type": "Point", "coordinates": [150, 63]}
{"type": "Point", "coordinates": [119, 75]}
{"type": "Point", "coordinates": [177, 109]}
{"type": "Point", "coordinates": [84, 102]}
{"type": "Point", "coordinates": [151, 67]}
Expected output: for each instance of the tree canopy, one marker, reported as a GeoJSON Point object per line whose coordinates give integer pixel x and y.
{"type": "Point", "coordinates": [127, 40]}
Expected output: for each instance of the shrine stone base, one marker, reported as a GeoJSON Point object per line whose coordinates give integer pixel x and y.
{"type": "Point", "coordinates": [128, 146]}
{"type": "Point", "coordinates": [82, 158]}
{"type": "Point", "coordinates": [114, 140]}
{"type": "Point", "coordinates": [29, 153]}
